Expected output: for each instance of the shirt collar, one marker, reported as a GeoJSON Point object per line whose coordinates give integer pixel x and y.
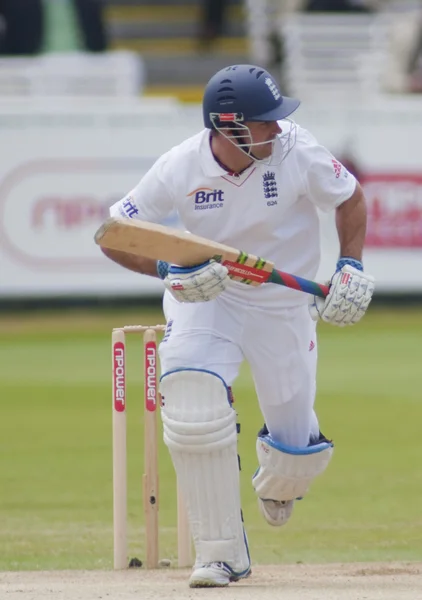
{"type": "Point", "coordinates": [209, 165]}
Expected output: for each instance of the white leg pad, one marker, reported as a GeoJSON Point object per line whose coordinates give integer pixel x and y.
{"type": "Point", "coordinates": [285, 473]}
{"type": "Point", "coordinates": [200, 431]}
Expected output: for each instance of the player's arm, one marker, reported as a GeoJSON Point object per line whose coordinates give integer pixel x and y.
{"type": "Point", "coordinates": [194, 284]}
{"type": "Point", "coordinates": [139, 264]}
{"type": "Point", "coordinates": [351, 224]}
{"type": "Point", "coordinates": [350, 289]}
{"type": "Point", "coordinates": [331, 186]}
{"type": "Point", "coordinates": [152, 200]}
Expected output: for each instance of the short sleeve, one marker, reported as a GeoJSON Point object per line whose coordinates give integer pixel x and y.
{"type": "Point", "coordinates": [151, 200]}
{"type": "Point", "coordinates": [327, 182]}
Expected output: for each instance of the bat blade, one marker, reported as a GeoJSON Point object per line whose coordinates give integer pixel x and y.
{"type": "Point", "coordinates": [179, 247]}
{"type": "Point", "coordinates": [185, 249]}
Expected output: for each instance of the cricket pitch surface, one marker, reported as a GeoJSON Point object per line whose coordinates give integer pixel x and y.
{"type": "Point", "coordinates": [353, 581]}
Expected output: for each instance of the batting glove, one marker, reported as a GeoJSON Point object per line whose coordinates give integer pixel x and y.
{"type": "Point", "coordinates": [350, 293]}
{"type": "Point", "coordinates": [195, 284]}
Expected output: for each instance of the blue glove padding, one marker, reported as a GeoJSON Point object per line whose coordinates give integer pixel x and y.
{"type": "Point", "coordinates": [162, 269]}
{"type": "Point", "coordinates": [348, 260]}
{"type": "Point", "coordinates": [175, 270]}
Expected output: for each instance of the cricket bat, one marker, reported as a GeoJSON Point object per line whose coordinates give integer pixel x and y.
{"type": "Point", "coordinates": [186, 250]}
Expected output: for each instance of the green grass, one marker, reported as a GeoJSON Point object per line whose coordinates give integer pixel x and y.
{"type": "Point", "coordinates": [55, 446]}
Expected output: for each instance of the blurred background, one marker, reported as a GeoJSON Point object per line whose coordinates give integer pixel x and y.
{"type": "Point", "coordinates": [91, 93]}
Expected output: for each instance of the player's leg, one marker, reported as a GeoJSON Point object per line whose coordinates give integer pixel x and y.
{"type": "Point", "coordinates": [291, 452]}
{"type": "Point", "coordinates": [199, 359]}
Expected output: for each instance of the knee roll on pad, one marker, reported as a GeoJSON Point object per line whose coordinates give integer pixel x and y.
{"type": "Point", "coordinates": [196, 412]}
{"type": "Point", "coordinates": [200, 432]}
{"type": "Point", "coordinates": [285, 473]}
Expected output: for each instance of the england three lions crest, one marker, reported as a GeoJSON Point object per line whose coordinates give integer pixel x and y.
{"type": "Point", "coordinates": [270, 185]}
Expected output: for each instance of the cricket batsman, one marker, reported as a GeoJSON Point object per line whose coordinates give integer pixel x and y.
{"type": "Point", "coordinates": [251, 179]}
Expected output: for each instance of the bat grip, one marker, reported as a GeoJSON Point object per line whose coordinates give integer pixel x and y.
{"type": "Point", "coordinates": [299, 283]}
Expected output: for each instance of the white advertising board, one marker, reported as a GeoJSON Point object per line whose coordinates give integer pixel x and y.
{"type": "Point", "coordinates": [60, 170]}
{"type": "Point", "coordinates": [62, 165]}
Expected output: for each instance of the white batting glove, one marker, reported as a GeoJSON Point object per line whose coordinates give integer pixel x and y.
{"type": "Point", "coordinates": [349, 296]}
{"type": "Point", "coordinates": [197, 284]}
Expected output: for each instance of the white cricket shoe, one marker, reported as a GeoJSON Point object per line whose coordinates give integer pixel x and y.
{"type": "Point", "coordinates": [216, 574]}
{"type": "Point", "coordinates": [275, 512]}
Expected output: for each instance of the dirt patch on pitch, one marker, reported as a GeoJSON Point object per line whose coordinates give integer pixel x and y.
{"type": "Point", "coordinates": [374, 581]}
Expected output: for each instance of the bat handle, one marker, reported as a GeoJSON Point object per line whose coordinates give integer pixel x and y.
{"type": "Point", "coordinates": [299, 283]}
{"type": "Point", "coordinates": [323, 290]}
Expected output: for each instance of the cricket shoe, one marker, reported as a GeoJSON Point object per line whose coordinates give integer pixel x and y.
{"type": "Point", "coordinates": [215, 574]}
{"type": "Point", "coordinates": [276, 512]}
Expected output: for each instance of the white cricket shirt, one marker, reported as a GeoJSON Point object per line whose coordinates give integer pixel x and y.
{"type": "Point", "coordinates": [270, 211]}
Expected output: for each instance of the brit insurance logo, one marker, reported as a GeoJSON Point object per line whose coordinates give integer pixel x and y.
{"type": "Point", "coordinates": [270, 188]}
{"type": "Point", "coordinates": [207, 198]}
{"type": "Point", "coordinates": [128, 207]}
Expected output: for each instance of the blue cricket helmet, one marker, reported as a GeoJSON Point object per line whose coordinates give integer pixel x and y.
{"type": "Point", "coordinates": [242, 93]}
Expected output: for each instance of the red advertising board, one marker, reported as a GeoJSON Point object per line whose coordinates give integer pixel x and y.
{"type": "Point", "coordinates": [394, 210]}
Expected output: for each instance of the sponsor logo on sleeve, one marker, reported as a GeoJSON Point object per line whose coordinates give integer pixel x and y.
{"type": "Point", "coordinates": [128, 207]}
{"type": "Point", "coordinates": [337, 168]}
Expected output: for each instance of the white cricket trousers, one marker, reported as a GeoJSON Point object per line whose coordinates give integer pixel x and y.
{"type": "Point", "coordinates": [280, 348]}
